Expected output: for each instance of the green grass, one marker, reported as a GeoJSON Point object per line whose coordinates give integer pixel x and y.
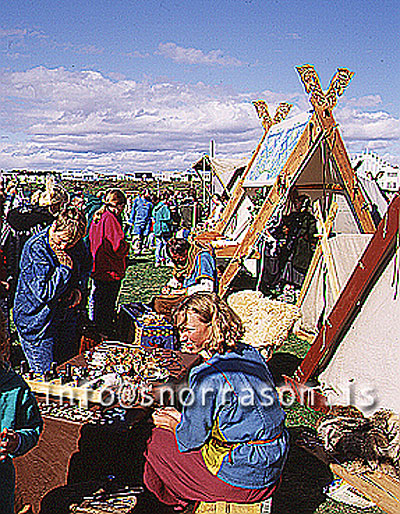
{"type": "Point", "coordinates": [143, 281]}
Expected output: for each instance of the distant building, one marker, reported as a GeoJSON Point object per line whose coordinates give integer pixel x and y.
{"type": "Point", "coordinates": [371, 165]}
{"type": "Point", "coordinates": [86, 176]}
{"type": "Point", "coordinates": [139, 175]}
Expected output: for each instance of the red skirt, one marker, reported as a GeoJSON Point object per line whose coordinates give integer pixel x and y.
{"type": "Point", "coordinates": [177, 478]}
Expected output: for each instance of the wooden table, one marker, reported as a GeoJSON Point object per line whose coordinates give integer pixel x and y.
{"type": "Point", "coordinates": [70, 452]}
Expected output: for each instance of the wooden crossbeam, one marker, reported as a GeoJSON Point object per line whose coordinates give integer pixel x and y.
{"type": "Point", "coordinates": [323, 104]}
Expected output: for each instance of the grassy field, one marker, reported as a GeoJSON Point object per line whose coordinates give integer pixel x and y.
{"type": "Point", "coordinates": [143, 281]}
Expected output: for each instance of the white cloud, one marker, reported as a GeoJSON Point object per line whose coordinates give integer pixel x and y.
{"type": "Point", "coordinates": [28, 37]}
{"type": "Point", "coordinates": [195, 56]}
{"type": "Point", "coordinates": [84, 119]}
{"type": "Point", "coordinates": [367, 102]}
{"type": "Point", "coordinates": [59, 119]}
{"type": "Point", "coordinates": [368, 126]}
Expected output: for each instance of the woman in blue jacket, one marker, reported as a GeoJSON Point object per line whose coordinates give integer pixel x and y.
{"type": "Point", "coordinates": [49, 291]}
{"type": "Point", "coordinates": [20, 425]}
{"type": "Point", "coordinates": [229, 443]}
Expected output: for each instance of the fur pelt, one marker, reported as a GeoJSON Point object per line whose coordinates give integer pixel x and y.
{"type": "Point", "coordinates": [362, 443]}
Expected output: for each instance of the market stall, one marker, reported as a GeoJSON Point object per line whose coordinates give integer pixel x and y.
{"type": "Point", "coordinates": [95, 417]}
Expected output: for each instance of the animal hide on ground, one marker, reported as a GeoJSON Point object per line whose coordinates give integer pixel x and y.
{"type": "Point", "coordinates": [361, 443]}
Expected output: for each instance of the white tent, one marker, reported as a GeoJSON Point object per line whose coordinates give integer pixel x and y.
{"type": "Point", "coordinates": [356, 354]}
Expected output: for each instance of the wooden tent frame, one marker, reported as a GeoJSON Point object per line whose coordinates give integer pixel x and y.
{"type": "Point", "coordinates": [238, 193]}
{"type": "Point", "coordinates": [382, 489]}
{"type": "Point", "coordinates": [282, 111]}
{"type": "Point", "coordinates": [321, 129]}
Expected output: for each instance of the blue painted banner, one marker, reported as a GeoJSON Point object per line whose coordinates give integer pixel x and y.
{"type": "Point", "coordinates": [277, 147]}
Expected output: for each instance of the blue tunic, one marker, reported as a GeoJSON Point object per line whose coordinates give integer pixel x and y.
{"type": "Point", "coordinates": [235, 419]}
{"type": "Point", "coordinates": [204, 267]}
{"type": "Point", "coordinates": [140, 216]}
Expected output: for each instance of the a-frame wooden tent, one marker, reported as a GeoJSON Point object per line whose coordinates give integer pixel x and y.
{"type": "Point", "coordinates": [238, 204]}
{"type": "Point", "coordinates": [358, 345]}
{"type": "Point", "coordinates": [318, 165]}
{"type": "Point", "coordinates": [223, 173]}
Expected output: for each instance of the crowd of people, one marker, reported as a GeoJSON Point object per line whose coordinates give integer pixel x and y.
{"type": "Point", "coordinates": [65, 256]}
{"type": "Point", "coordinates": [64, 259]}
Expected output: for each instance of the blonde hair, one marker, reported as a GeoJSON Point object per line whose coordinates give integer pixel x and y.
{"type": "Point", "coordinates": [226, 326]}
{"type": "Point", "coordinates": [112, 198]}
{"type": "Point", "coordinates": [71, 221]}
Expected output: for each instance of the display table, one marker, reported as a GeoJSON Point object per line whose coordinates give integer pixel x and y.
{"type": "Point", "coordinates": [70, 452]}
{"type": "Point", "coordinates": [46, 466]}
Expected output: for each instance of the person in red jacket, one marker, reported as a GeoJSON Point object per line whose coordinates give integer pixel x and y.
{"type": "Point", "coordinates": [109, 249]}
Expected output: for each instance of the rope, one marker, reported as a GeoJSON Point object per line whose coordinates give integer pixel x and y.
{"type": "Point", "coordinates": [263, 244]}
{"type": "Point", "coordinates": [396, 268]}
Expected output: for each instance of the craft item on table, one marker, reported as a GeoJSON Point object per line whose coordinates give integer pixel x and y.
{"type": "Point", "coordinates": [69, 412]}
{"type": "Point", "coordinates": [267, 322]}
{"type": "Point", "coordinates": [82, 393]}
{"type": "Point", "coordinates": [165, 304]}
{"type": "Point", "coordinates": [114, 416]}
{"type": "Point", "coordinates": [128, 360]}
{"type": "Point", "coordinates": [130, 370]}
{"type": "Point", "coordinates": [102, 502]}
{"type": "Point", "coordinates": [150, 329]}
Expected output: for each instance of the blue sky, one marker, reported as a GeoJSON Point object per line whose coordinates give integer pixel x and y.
{"type": "Point", "coordinates": [124, 85]}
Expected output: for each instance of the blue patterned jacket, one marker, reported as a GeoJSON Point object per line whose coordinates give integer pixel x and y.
{"type": "Point", "coordinates": [41, 285]}
{"type": "Point", "coordinates": [235, 418]}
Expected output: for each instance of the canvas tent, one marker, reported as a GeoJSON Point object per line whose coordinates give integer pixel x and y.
{"type": "Point", "coordinates": [224, 173]}
{"type": "Point", "coordinates": [345, 246]}
{"type": "Point", "coordinates": [356, 355]}
{"type": "Point", "coordinates": [315, 161]}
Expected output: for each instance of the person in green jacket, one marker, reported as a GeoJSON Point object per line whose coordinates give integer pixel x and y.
{"type": "Point", "coordinates": [20, 425]}
{"type": "Point", "coordinates": [161, 227]}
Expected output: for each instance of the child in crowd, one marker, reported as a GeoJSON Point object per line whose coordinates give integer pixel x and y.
{"type": "Point", "coordinates": [20, 424]}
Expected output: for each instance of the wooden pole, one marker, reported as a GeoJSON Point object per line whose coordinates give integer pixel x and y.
{"type": "Point", "coordinates": [327, 254]}
{"type": "Point", "coordinates": [317, 255]}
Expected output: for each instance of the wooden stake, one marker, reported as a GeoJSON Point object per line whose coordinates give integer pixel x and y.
{"type": "Point", "coordinates": [327, 254]}
{"type": "Point", "coordinates": [317, 255]}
